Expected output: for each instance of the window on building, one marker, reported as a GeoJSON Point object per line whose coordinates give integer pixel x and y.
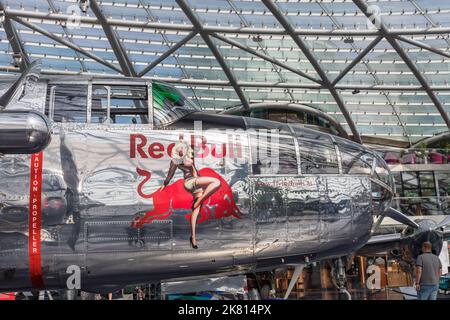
{"type": "Point", "coordinates": [443, 179]}
{"type": "Point", "coordinates": [67, 103]}
{"type": "Point", "coordinates": [398, 183]}
{"type": "Point", "coordinates": [427, 184]}
{"type": "Point", "coordinates": [418, 184]}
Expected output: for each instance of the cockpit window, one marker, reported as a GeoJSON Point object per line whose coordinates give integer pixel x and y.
{"type": "Point", "coordinates": [317, 152]}
{"type": "Point", "coordinates": [355, 161]}
{"type": "Point", "coordinates": [169, 104]}
{"type": "Point", "coordinates": [382, 172]}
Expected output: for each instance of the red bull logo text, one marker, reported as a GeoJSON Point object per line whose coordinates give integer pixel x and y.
{"type": "Point", "coordinates": [141, 147]}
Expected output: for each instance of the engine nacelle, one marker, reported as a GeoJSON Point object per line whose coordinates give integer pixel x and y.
{"type": "Point", "coordinates": [23, 131]}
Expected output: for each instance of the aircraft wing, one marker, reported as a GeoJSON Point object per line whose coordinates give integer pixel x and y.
{"type": "Point", "coordinates": [384, 238]}
{"type": "Point", "coordinates": [384, 242]}
{"type": "Point", "coordinates": [381, 243]}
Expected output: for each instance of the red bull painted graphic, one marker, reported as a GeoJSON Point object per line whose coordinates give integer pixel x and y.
{"type": "Point", "coordinates": [176, 197]}
{"type": "Point", "coordinates": [141, 147]}
{"type": "Point", "coordinates": [203, 191]}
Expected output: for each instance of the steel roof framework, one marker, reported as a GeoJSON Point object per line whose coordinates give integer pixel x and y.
{"type": "Point", "coordinates": [225, 34]}
{"type": "Point", "coordinates": [14, 40]}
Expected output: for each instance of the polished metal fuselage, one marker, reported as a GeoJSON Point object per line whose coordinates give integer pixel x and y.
{"type": "Point", "coordinates": [284, 218]}
{"type": "Point", "coordinates": [90, 198]}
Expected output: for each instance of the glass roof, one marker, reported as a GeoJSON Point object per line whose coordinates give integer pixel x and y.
{"type": "Point", "coordinates": [330, 54]}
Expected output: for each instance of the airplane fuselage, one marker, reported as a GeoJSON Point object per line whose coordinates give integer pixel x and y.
{"type": "Point", "coordinates": [91, 202]}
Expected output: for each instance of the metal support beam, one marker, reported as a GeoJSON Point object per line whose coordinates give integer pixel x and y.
{"type": "Point", "coordinates": [64, 27]}
{"type": "Point", "coordinates": [144, 24]}
{"type": "Point", "coordinates": [199, 28]}
{"type": "Point", "coordinates": [14, 40]}
{"type": "Point", "coordinates": [304, 48]}
{"type": "Point", "coordinates": [166, 54]}
{"type": "Point", "coordinates": [244, 84]}
{"type": "Point", "coordinates": [365, 63]}
{"type": "Point", "coordinates": [358, 58]}
{"type": "Point", "coordinates": [362, 5]}
{"type": "Point", "coordinates": [423, 46]}
{"type": "Point", "coordinates": [119, 51]}
{"type": "Point", "coordinates": [66, 43]}
{"type": "Point", "coordinates": [265, 57]}
{"type": "Point", "coordinates": [154, 18]}
{"type": "Point", "coordinates": [260, 46]}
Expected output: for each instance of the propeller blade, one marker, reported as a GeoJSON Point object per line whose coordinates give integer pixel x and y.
{"type": "Point", "coordinates": [400, 217]}
{"type": "Point", "coordinates": [443, 223]}
{"type": "Point", "coordinates": [13, 93]}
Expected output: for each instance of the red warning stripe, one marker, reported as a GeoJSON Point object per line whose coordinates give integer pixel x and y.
{"type": "Point", "coordinates": [34, 221]}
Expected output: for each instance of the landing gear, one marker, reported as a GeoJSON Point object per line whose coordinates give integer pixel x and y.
{"type": "Point", "coordinates": [261, 285]}
{"type": "Point", "coordinates": [297, 272]}
{"type": "Point", "coordinates": [339, 278]}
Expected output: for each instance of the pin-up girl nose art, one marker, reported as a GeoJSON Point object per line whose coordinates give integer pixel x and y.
{"type": "Point", "coordinates": [197, 188]}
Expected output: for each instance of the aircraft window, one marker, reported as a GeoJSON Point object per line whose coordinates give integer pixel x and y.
{"type": "Point", "coordinates": [277, 115]}
{"type": "Point", "coordinates": [100, 104]}
{"type": "Point", "coordinates": [129, 104]}
{"type": "Point", "coordinates": [356, 161]}
{"type": "Point", "coordinates": [253, 123]}
{"type": "Point", "coordinates": [333, 130]}
{"type": "Point", "coordinates": [292, 117]}
{"type": "Point", "coordinates": [443, 183]}
{"type": "Point", "coordinates": [259, 113]}
{"type": "Point", "coordinates": [67, 103]}
{"type": "Point", "coordinates": [380, 197]}
{"type": "Point", "coordinates": [317, 152]}
{"type": "Point", "coordinates": [169, 104]}
{"type": "Point", "coordinates": [273, 153]}
{"type": "Point", "coordinates": [316, 158]}
{"type": "Point", "coordinates": [382, 172]}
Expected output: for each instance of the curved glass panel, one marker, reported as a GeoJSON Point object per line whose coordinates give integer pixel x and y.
{"type": "Point", "coordinates": [169, 104]}
{"type": "Point", "coordinates": [317, 152]}
{"type": "Point", "coordinates": [383, 96]}
{"type": "Point", "coordinates": [272, 153]}
{"type": "Point", "coordinates": [355, 161]}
